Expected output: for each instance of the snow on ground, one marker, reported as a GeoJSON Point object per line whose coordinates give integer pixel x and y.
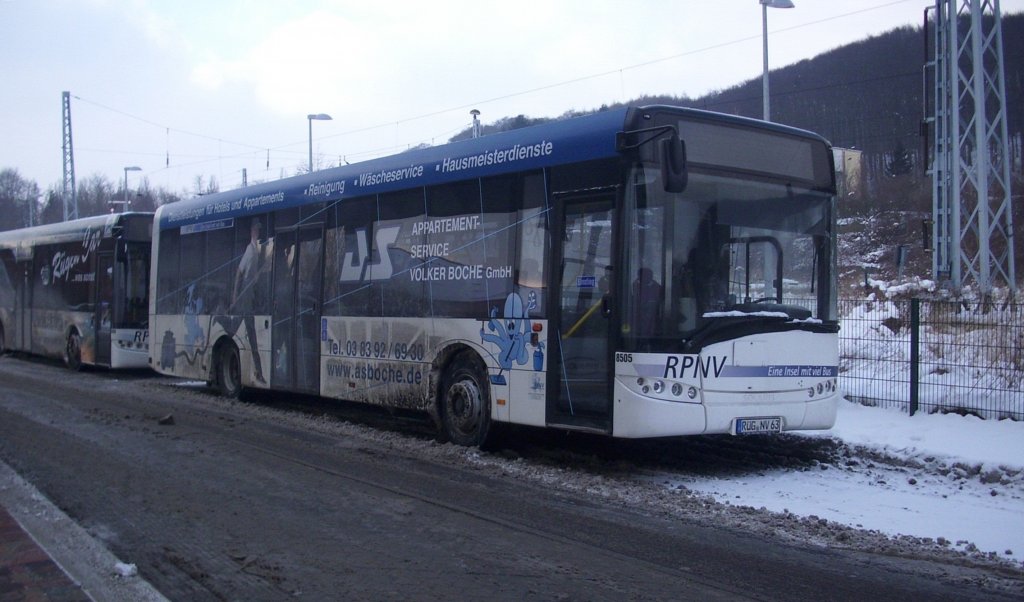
{"type": "Point", "coordinates": [968, 355]}
{"type": "Point", "coordinates": [951, 478]}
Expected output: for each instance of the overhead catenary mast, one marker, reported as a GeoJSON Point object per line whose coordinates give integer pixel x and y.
{"type": "Point", "coordinates": [972, 223]}
{"type": "Point", "coordinates": [68, 192]}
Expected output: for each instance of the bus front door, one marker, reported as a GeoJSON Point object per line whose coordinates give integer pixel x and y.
{"type": "Point", "coordinates": [103, 304]}
{"type": "Point", "coordinates": [298, 267]}
{"type": "Point", "coordinates": [579, 362]}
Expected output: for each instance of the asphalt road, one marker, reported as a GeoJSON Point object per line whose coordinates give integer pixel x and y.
{"type": "Point", "coordinates": [230, 503]}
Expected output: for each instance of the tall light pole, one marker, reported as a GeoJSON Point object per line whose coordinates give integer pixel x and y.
{"type": "Point", "coordinates": [765, 4]}
{"type": "Point", "coordinates": [126, 170]}
{"type": "Point", "coordinates": [310, 118]}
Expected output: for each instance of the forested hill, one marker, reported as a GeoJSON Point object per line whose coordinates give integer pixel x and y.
{"type": "Point", "coordinates": [866, 95]}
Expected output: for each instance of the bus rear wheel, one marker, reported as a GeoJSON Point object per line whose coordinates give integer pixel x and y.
{"type": "Point", "coordinates": [229, 371]}
{"type": "Point", "coordinates": [466, 402]}
{"type": "Point", "coordinates": [73, 352]}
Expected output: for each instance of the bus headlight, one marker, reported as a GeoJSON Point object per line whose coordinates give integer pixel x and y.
{"type": "Point", "coordinates": [659, 386]}
{"type": "Point", "coordinates": [677, 389]}
{"type": "Point", "coordinates": [692, 392]}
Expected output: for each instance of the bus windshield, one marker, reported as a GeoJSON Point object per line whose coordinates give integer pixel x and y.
{"type": "Point", "coordinates": [730, 248]}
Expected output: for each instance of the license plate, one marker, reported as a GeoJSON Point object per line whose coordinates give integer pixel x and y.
{"type": "Point", "coordinates": [754, 426]}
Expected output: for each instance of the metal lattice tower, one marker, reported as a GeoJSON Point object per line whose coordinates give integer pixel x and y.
{"type": "Point", "coordinates": [972, 219]}
{"type": "Point", "coordinates": [68, 193]}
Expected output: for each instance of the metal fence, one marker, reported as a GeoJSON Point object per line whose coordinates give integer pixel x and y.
{"type": "Point", "coordinates": [933, 356]}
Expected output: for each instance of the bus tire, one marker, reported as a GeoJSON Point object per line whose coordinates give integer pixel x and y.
{"type": "Point", "coordinates": [73, 351]}
{"type": "Point", "coordinates": [228, 369]}
{"type": "Point", "coordinates": [465, 402]}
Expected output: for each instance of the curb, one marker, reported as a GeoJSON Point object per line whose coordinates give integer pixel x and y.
{"type": "Point", "coordinates": [88, 564]}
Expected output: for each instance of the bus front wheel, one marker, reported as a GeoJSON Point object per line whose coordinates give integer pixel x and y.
{"type": "Point", "coordinates": [229, 371]}
{"type": "Point", "coordinates": [466, 402]}
{"type": "Point", "coordinates": [73, 352]}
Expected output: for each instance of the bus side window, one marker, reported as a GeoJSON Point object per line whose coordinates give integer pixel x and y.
{"type": "Point", "coordinates": [193, 253]}
{"type": "Point", "coordinates": [532, 242]}
{"type": "Point", "coordinates": [501, 198]}
{"type": "Point", "coordinates": [219, 263]}
{"type": "Point", "coordinates": [402, 213]}
{"type": "Point", "coordinates": [350, 290]}
{"type": "Point", "coordinates": [6, 282]}
{"type": "Point", "coordinates": [459, 297]}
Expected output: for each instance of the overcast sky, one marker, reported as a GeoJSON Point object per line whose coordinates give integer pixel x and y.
{"type": "Point", "coordinates": [183, 88]}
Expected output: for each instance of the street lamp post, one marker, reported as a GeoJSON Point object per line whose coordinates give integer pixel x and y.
{"type": "Point", "coordinates": [126, 170]}
{"type": "Point", "coordinates": [476, 123]}
{"type": "Point", "coordinates": [765, 4]}
{"type": "Point", "coordinates": [310, 118]}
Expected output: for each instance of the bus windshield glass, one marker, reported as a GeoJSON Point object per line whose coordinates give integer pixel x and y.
{"type": "Point", "coordinates": [733, 247]}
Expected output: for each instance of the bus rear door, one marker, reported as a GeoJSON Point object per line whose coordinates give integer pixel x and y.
{"type": "Point", "coordinates": [298, 257]}
{"type": "Point", "coordinates": [23, 306]}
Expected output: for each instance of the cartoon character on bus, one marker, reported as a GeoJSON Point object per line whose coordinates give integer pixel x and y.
{"type": "Point", "coordinates": [510, 332]}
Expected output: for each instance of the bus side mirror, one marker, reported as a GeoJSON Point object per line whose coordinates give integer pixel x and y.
{"type": "Point", "coordinates": [674, 175]}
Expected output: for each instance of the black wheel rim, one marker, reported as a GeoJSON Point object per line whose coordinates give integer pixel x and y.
{"type": "Point", "coordinates": [74, 351]}
{"type": "Point", "coordinates": [231, 372]}
{"type": "Point", "coordinates": [464, 406]}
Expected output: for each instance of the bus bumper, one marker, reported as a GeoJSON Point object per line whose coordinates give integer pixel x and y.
{"type": "Point", "coordinates": [129, 348]}
{"type": "Point", "coordinates": [637, 415]}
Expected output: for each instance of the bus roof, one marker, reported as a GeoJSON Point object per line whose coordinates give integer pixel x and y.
{"type": "Point", "coordinates": [72, 231]}
{"type": "Point", "coordinates": [552, 143]}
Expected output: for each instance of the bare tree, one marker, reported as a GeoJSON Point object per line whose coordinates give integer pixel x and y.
{"type": "Point", "coordinates": [19, 200]}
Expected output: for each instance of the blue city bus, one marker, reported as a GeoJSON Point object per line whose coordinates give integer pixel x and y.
{"type": "Point", "coordinates": [638, 272]}
{"type": "Point", "coordinates": [78, 290]}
